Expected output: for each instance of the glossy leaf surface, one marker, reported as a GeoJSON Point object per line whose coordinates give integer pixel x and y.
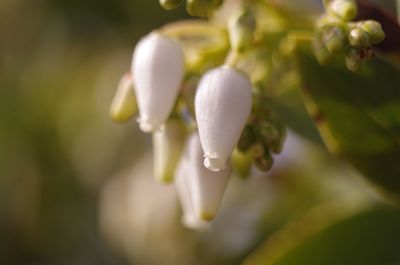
{"type": "Point", "coordinates": [358, 116]}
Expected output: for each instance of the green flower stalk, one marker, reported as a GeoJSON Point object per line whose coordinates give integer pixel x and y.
{"type": "Point", "coordinates": [241, 30]}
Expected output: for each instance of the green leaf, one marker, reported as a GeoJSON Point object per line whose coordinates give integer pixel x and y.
{"type": "Point", "coordinates": [371, 238]}
{"type": "Point", "coordinates": [358, 116]}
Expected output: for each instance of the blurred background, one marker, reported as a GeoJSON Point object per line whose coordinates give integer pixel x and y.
{"type": "Point", "coordinates": [77, 189]}
{"type": "Point", "coordinates": [60, 62]}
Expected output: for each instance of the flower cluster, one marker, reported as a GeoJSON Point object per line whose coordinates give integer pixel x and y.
{"type": "Point", "coordinates": [200, 88]}
{"type": "Point", "coordinates": [196, 125]}
{"type": "Point", "coordinates": [222, 103]}
{"type": "Point", "coordinates": [336, 32]}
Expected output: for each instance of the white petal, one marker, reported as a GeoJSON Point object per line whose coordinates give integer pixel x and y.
{"type": "Point", "coordinates": [207, 187]}
{"type": "Point", "coordinates": [168, 145]}
{"type": "Point", "coordinates": [157, 70]}
{"type": "Point", "coordinates": [189, 218]}
{"type": "Point", "coordinates": [222, 104]}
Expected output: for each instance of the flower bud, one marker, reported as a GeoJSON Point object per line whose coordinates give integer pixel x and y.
{"type": "Point", "coordinates": [247, 139]}
{"type": "Point", "coordinates": [222, 104]}
{"type": "Point", "coordinates": [241, 31]}
{"type": "Point", "coordinates": [170, 4]}
{"type": "Point", "coordinates": [123, 106]}
{"type": "Point", "coordinates": [157, 70]}
{"type": "Point", "coordinates": [242, 162]}
{"type": "Point", "coordinates": [272, 135]}
{"type": "Point", "coordinates": [183, 189]}
{"type": "Point", "coordinates": [257, 150]}
{"type": "Point", "coordinates": [334, 38]}
{"type": "Point", "coordinates": [345, 9]}
{"type": "Point", "coordinates": [359, 38]}
{"type": "Point", "coordinates": [202, 8]}
{"type": "Point", "coordinates": [327, 20]}
{"type": "Point", "coordinates": [354, 59]}
{"type": "Point", "coordinates": [265, 162]}
{"type": "Point", "coordinates": [207, 186]}
{"type": "Point", "coordinates": [374, 31]}
{"type": "Point", "coordinates": [168, 145]}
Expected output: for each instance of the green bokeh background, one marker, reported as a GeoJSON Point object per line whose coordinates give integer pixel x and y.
{"type": "Point", "coordinates": [60, 61]}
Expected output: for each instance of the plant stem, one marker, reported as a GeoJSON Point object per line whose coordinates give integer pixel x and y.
{"type": "Point", "coordinates": [232, 58]}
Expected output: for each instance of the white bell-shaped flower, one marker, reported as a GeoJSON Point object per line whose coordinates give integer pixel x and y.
{"type": "Point", "coordinates": [189, 218]}
{"type": "Point", "coordinates": [168, 144]}
{"type": "Point", "coordinates": [207, 187]}
{"type": "Point", "coordinates": [222, 104]}
{"type": "Point", "coordinates": [157, 70]}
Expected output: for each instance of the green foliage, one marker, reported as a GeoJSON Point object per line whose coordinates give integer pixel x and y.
{"type": "Point", "coordinates": [367, 239]}
{"type": "Point", "coordinates": [358, 115]}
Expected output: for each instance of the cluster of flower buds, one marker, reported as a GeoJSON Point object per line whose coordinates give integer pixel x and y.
{"type": "Point", "coordinates": [262, 137]}
{"type": "Point", "coordinates": [199, 111]}
{"type": "Point", "coordinates": [336, 32]}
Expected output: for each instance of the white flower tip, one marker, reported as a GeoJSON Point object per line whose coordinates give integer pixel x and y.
{"type": "Point", "coordinates": [147, 126]}
{"type": "Point", "coordinates": [190, 221]}
{"type": "Point", "coordinates": [214, 163]}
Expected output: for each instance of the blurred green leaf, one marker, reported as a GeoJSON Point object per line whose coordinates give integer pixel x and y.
{"type": "Point", "coordinates": [291, 109]}
{"type": "Point", "coordinates": [357, 115]}
{"type": "Point", "coordinates": [365, 239]}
